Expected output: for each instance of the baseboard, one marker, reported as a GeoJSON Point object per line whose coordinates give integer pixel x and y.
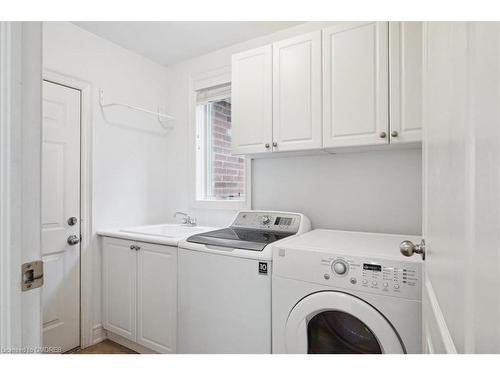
{"type": "Point", "coordinates": [438, 339]}
{"type": "Point", "coordinates": [98, 334]}
{"type": "Point", "coordinates": [130, 344]}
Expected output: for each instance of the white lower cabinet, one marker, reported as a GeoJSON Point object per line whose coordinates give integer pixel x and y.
{"type": "Point", "coordinates": [119, 287]}
{"type": "Point", "coordinates": [140, 293]}
{"type": "Point", "coordinates": [157, 297]}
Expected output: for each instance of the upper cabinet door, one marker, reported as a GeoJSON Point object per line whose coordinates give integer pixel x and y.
{"type": "Point", "coordinates": [252, 101]}
{"type": "Point", "coordinates": [297, 93]}
{"type": "Point", "coordinates": [355, 90]}
{"type": "Point", "coordinates": [406, 62]}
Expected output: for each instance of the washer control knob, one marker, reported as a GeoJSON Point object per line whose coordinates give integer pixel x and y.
{"type": "Point", "coordinates": [396, 286]}
{"type": "Point", "coordinates": [340, 267]}
{"type": "Point", "coordinates": [386, 285]}
{"type": "Point", "coordinates": [374, 283]}
{"type": "Point", "coordinates": [266, 220]}
{"type": "Point", "coordinates": [326, 276]}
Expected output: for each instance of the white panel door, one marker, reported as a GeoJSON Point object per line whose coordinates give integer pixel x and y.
{"type": "Point", "coordinates": [252, 101]}
{"type": "Point", "coordinates": [119, 287]}
{"type": "Point", "coordinates": [297, 93]}
{"type": "Point", "coordinates": [157, 297]}
{"type": "Point", "coordinates": [355, 84]}
{"type": "Point", "coordinates": [60, 201]}
{"type": "Point", "coordinates": [462, 187]}
{"type": "Point", "coordinates": [406, 61]}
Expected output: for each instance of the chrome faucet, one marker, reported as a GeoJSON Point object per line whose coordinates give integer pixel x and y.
{"type": "Point", "coordinates": [186, 220]}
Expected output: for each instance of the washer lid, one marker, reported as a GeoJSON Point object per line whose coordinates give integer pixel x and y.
{"type": "Point", "coordinates": [246, 239]}
{"type": "Point", "coordinates": [339, 323]}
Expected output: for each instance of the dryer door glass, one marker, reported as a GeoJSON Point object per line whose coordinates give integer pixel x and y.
{"type": "Point", "coordinates": [337, 332]}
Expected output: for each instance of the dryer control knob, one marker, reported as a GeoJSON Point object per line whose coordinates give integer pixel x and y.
{"type": "Point", "coordinates": [339, 267]}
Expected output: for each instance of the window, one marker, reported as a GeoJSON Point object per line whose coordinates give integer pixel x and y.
{"type": "Point", "coordinates": [220, 176]}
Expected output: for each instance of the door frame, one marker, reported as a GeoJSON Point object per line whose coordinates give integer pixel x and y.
{"type": "Point", "coordinates": [86, 198]}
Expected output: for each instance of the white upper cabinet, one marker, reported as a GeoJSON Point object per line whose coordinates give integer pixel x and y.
{"type": "Point", "coordinates": [355, 84]}
{"type": "Point", "coordinates": [352, 84]}
{"type": "Point", "coordinates": [297, 93]}
{"type": "Point", "coordinates": [252, 101]}
{"type": "Point", "coordinates": [406, 61]}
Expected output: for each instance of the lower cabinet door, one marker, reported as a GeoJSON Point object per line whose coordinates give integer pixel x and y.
{"type": "Point", "coordinates": [119, 287]}
{"type": "Point", "coordinates": [157, 297]}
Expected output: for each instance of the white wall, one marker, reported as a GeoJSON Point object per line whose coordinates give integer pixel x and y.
{"type": "Point", "coordinates": [376, 191]}
{"type": "Point", "coordinates": [129, 149]}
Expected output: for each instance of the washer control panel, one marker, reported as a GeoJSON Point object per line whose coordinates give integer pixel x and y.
{"type": "Point", "coordinates": [273, 221]}
{"type": "Point", "coordinates": [371, 275]}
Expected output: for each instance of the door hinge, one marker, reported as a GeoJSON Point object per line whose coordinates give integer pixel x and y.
{"type": "Point", "coordinates": [32, 275]}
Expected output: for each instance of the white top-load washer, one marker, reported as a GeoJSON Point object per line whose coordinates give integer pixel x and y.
{"type": "Point", "coordinates": [224, 283]}
{"type": "Point", "coordinates": [346, 292]}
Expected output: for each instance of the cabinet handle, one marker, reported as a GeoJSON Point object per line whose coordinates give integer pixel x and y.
{"type": "Point", "coordinates": [132, 247]}
{"type": "Point", "coordinates": [275, 144]}
{"type": "Point", "coordinates": [383, 134]}
{"type": "Point", "coordinates": [137, 248]}
{"type": "Point", "coordinates": [266, 145]}
{"type": "Point", "coordinates": [394, 133]}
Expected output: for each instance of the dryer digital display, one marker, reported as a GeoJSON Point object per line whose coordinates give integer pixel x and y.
{"type": "Point", "coordinates": [372, 267]}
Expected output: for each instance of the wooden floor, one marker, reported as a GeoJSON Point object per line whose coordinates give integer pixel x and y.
{"type": "Point", "coordinates": [105, 347]}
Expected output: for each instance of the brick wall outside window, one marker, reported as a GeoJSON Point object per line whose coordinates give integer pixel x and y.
{"type": "Point", "coordinates": [228, 172]}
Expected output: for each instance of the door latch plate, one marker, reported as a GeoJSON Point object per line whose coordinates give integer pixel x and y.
{"type": "Point", "coordinates": [32, 275]}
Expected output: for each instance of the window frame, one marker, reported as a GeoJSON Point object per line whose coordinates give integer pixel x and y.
{"type": "Point", "coordinates": [205, 80]}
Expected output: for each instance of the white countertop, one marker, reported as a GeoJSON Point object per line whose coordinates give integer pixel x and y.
{"type": "Point", "coordinates": [162, 234]}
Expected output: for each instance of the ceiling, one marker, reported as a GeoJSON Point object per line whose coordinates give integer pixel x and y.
{"type": "Point", "coordinates": [171, 42]}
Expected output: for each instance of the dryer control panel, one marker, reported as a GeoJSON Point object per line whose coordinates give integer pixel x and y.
{"type": "Point", "coordinates": [373, 275]}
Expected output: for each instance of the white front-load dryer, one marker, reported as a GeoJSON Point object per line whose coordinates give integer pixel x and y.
{"type": "Point", "coordinates": [340, 292]}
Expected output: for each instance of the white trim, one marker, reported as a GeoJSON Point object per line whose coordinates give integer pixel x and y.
{"type": "Point", "coordinates": [98, 334]}
{"type": "Point", "coordinates": [87, 247]}
{"type": "Point", "coordinates": [6, 263]}
{"type": "Point", "coordinates": [211, 78]}
{"type": "Point", "coordinates": [436, 333]}
{"type": "Point", "coordinates": [216, 77]}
